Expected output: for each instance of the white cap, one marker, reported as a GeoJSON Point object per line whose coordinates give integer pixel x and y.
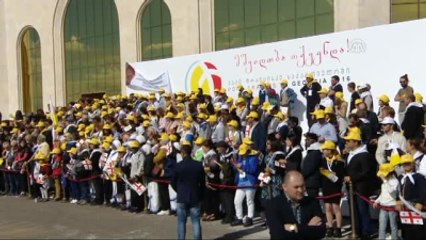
{"type": "Point", "coordinates": [224, 107]}
{"type": "Point", "coordinates": [141, 139]}
{"type": "Point", "coordinates": [116, 143]}
{"type": "Point", "coordinates": [146, 149]}
{"type": "Point", "coordinates": [362, 86]}
{"type": "Point", "coordinates": [387, 120]}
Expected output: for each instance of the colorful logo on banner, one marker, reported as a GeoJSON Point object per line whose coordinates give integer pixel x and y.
{"type": "Point", "coordinates": [203, 75]}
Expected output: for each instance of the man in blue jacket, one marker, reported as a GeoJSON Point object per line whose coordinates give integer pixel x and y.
{"type": "Point", "coordinates": [189, 183]}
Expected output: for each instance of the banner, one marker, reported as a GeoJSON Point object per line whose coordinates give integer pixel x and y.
{"type": "Point", "coordinates": [376, 55]}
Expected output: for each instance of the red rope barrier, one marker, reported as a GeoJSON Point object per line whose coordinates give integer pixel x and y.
{"type": "Point", "coordinates": [369, 201]}
{"type": "Point", "coordinates": [84, 179]}
{"type": "Point", "coordinates": [9, 170]}
{"type": "Point", "coordinates": [329, 196]}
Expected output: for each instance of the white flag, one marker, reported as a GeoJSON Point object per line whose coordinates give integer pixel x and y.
{"type": "Point", "coordinates": [142, 84]}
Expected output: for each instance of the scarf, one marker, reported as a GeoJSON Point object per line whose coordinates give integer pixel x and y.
{"type": "Point", "coordinates": [359, 150]}
{"type": "Point", "coordinates": [409, 176]}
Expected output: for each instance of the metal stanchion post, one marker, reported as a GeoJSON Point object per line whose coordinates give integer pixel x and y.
{"type": "Point", "coordinates": [351, 199]}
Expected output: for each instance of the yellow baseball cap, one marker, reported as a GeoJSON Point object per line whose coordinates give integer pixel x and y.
{"type": "Point", "coordinates": [41, 124]}
{"type": "Point", "coordinates": [106, 127]}
{"type": "Point", "coordinates": [354, 134]}
{"type": "Point", "coordinates": [328, 145]}
{"type": "Point", "coordinates": [164, 137]}
{"type": "Point", "coordinates": [94, 141]}
{"type": "Point", "coordinates": [419, 97]}
{"type": "Point", "coordinates": [133, 144]}
{"type": "Point", "coordinates": [73, 151]}
{"type": "Point", "coordinates": [199, 141]}
{"type": "Point", "coordinates": [329, 110]}
{"type": "Point", "coordinates": [170, 115]}
{"type": "Point", "coordinates": [202, 116]}
{"type": "Point", "coordinates": [406, 158]}
{"type": "Point", "coordinates": [81, 127]}
{"type": "Point", "coordinates": [358, 101]}
{"type": "Point", "coordinates": [266, 106]}
{"type": "Point", "coordinates": [319, 114]}
{"type": "Point", "coordinates": [121, 149]}
{"type": "Point", "coordinates": [56, 150]}
{"type": "Point", "coordinates": [284, 81]}
{"type": "Point", "coordinates": [323, 91]}
{"type": "Point", "coordinates": [212, 119]}
{"type": "Point", "coordinates": [280, 115]}
{"type": "Point", "coordinates": [40, 156]}
{"type": "Point", "coordinates": [309, 75]}
{"type": "Point", "coordinates": [240, 100]}
{"type": "Point", "coordinates": [384, 99]}
{"type": "Point", "coordinates": [106, 145]}
{"type": "Point", "coordinates": [233, 123]}
{"type": "Point", "coordinates": [338, 95]}
{"type": "Point", "coordinates": [255, 101]}
{"type": "Point", "coordinates": [385, 169]}
{"type": "Point", "coordinates": [109, 139]}
{"type": "Point", "coordinates": [240, 86]}
{"type": "Point", "coordinates": [247, 141]}
{"type": "Point", "coordinates": [173, 137]}
{"type": "Point", "coordinates": [253, 114]}
{"type": "Point", "coordinates": [243, 149]}
{"type": "Point", "coordinates": [187, 124]}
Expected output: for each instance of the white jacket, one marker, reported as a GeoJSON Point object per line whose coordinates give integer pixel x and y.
{"type": "Point", "coordinates": [388, 193]}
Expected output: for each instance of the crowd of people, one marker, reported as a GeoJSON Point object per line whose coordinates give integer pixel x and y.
{"type": "Point", "coordinates": [123, 151]}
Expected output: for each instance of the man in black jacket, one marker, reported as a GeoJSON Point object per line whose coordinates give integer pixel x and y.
{"type": "Point", "coordinates": [189, 184]}
{"type": "Point", "coordinates": [257, 132]}
{"type": "Point", "coordinates": [311, 164]}
{"type": "Point", "coordinates": [361, 172]}
{"type": "Point", "coordinates": [413, 118]}
{"type": "Point", "coordinates": [310, 92]}
{"type": "Point", "coordinates": [292, 215]}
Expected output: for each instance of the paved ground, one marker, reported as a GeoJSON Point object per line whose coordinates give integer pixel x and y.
{"type": "Point", "coordinates": [23, 218]}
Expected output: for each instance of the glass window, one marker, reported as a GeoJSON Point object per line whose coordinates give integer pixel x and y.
{"type": "Point", "coordinates": [246, 22]}
{"type": "Point", "coordinates": [92, 43]}
{"type": "Point", "coordinates": [156, 30]}
{"type": "Point", "coordinates": [406, 10]}
{"type": "Point", "coordinates": [31, 70]}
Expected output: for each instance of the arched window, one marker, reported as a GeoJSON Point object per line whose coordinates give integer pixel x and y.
{"type": "Point", "coordinates": [405, 10]}
{"type": "Point", "coordinates": [156, 30]}
{"type": "Point", "coordinates": [92, 48]}
{"type": "Point", "coordinates": [31, 71]}
{"type": "Point", "coordinates": [246, 22]}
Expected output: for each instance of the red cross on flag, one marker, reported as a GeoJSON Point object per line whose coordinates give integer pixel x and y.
{"type": "Point", "coordinates": [412, 218]}
{"type": "Point", "coordinates": [87, 165]}
{"type": "Point", "coordinates": [138, 188]}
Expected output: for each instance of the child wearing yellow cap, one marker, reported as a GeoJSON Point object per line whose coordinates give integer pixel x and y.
{"type": "Point", "coordinates": [412, 187]}
{"type": "Point", "coordinates": [387, 198]}
{"type": "Point", "coordinates": [332, 170]}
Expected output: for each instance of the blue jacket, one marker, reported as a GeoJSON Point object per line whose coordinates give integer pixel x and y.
{"type": "Point", "coordinates": [189, 181]}
{"type": "Point", "coordinates": [250, 166]}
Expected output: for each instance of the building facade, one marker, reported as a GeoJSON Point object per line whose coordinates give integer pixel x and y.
{"type": "Point", "coordinates": [55, 50]}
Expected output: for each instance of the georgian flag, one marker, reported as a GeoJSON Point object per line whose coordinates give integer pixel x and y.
{"type": "Point", "coordinates": [412, 218]}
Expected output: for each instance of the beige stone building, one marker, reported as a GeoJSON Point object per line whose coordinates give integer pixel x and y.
{"type": "Point", "coordinates": [56, 50]}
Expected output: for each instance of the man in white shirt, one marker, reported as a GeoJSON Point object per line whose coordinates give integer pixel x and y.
{"type": "Point", "coordinates": [325, 101]}
{"type": "Point", "coordinates": [389, 137]}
